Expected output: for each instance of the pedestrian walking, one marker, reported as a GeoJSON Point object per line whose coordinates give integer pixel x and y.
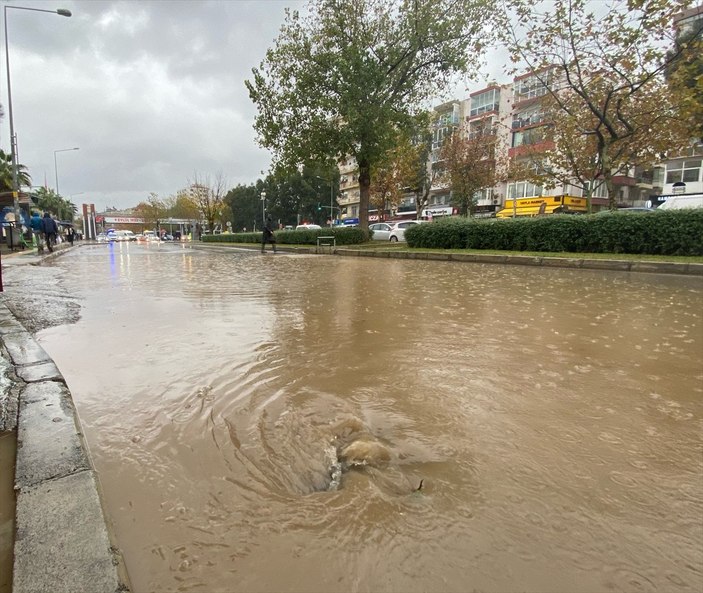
{"type": "Point", "coordinates": [50, 228]}
{"type": "Point", "coordinates": [267, 236]}
{"type": "Point", "coordinates": [70, 235]}
{"type": "Point", "coordinates": [35, 223]}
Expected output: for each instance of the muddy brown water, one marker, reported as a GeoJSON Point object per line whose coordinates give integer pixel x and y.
{"type": "Point", "coordinates": [554, 415]}
{"type": "Point", "coordinates": [8, 447]}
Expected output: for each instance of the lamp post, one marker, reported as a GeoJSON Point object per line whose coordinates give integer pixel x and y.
{"type": "Point", "coordinates": [13, 139]}
{"type": "Point", "coordinates": [56, 168]}
{"type": "Point", "coordinates": [263, 209]}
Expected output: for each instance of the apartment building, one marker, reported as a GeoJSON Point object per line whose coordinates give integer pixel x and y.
{"type": "Point", "coordinates": [681, 175]}
{"type": "Point", "coordinates": [349, 193]}
{"type": "Point", "coordinates": [446, 122]}
{"type": "Point", "coordinates": [514, 116]}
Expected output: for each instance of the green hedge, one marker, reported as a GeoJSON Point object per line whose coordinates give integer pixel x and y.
{"type": "Point", "coordinates": [343, 236]}
{"type": "Point", "coordinates": [665, 232]}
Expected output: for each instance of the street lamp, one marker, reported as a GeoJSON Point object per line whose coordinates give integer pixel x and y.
{"type": "Point", "coordinates": [263, 209]}
{"type": "Point", "coordinates": [56, 169]}
{"type": "Point", "coordinates": [13, 139]}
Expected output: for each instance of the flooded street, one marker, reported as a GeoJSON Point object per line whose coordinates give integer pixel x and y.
{"type": "Point", "coordinates": [263, 423]}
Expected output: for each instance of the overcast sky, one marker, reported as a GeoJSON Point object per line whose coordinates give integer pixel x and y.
{"type": "Point", "coordinates": [151, 92]}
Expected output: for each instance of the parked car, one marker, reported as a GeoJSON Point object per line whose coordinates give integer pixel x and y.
{"type": "Point", "coordinates": [309, 227]}
{"type": "Point", "coordinates": [628, 209]}
{"type": "Point", "coordinates": [398, 231]}
{"type": "Point", "coordinates": [381, 231]}
{"type": "Point", "coordinates": [392, 231]}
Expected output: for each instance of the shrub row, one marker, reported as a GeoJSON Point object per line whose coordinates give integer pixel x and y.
{"type": "Point", "coordinates": [665, 232]}
{"type": "Point", "coordinates": [343, 236]}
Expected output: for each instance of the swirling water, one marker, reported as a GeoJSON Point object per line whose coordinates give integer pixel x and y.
{"type": "Point", "coordinates": [554, 417]}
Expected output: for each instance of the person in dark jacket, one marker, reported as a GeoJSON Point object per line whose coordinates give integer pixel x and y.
{"type": "Point", "coordinates": [70, 235]}
{"type": "Point", "coordinates": [50, 228]}
{"type": "Point", "coordinates": [267, 236]}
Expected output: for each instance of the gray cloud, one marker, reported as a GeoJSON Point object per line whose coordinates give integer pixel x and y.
{"type": "Point", "coordinates": [151, 92]}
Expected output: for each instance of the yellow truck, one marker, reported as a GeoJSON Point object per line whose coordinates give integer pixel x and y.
{"type": "Point", "coordinates": [539, 205]}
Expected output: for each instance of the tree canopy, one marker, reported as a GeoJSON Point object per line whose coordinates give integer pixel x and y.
{"type": "Point", "coordinates": [469, 166]}
{"type": "Point", "coordinates": [345, 80]}
{"type": "Point", "coordinates": [23, 177]}
{"type": "Point", "coordinates": [685, 75]}
{"type": "Point", "coordinates": [49, 201]}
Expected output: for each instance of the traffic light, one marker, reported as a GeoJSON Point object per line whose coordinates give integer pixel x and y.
{"type": "Point", "coordinates": [319, 207]}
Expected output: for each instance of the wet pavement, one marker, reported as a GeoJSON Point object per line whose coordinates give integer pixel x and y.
{"type": "Point", "coordinates": [262, 423]}
{"type": "Point", "coordinates": [53, 533]}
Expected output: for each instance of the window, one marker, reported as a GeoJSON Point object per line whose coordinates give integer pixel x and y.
{"type": "Point", "coordinates": [600, 190]}
{"type": "Point", "coordinates": [685, 171]}
{"type": "Point", "coordinates": [439, 135]}
{"type": "Point", "coordinates": [529, 88]}
{"type": "Point", "coordinates": [484, 195]}
{"type": "Point", "coordinates": [523, 189]}
{"type": "Point", "coordinates": [355, 211]}
{"type": "Point", "coordinates": [528, 118]}
{"type": "Point", "coordinates": [447, 118]}
{"type": "Point", "coordinates": [528, 137]}
{"type": "Point", "coordinates": [480, 128]}
{"type": "Point", "coordinates": [484, 102]}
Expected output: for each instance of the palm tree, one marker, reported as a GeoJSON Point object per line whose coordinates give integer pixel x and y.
{"type": "Point", "coordinates": [23, 177]}
{"type": "Point", "coordinates": [49, 201]}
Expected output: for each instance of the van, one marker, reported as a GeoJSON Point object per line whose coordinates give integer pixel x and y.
{"type": "Point", "coordinates": [682, 201]}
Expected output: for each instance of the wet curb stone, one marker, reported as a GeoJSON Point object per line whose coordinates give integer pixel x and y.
{"type": "Point", "coordinates": [62, 539]}
{"type": "Point", "coordinates": [690, 269]}
{"type": "Point", "coordinates": [653, 267]}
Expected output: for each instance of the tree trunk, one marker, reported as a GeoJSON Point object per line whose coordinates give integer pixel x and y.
{"type": "Point", "coordinates": [364, 192]}
{"type": "Point", "coordinates": [608, 178]}
{"type": "Point", "coordinates": [612, 197]}
{"type": "Point", "coordinates": [588, 195]}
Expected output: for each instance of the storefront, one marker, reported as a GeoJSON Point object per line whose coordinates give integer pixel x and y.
{"type": "Point", "coordinates": [435, 212]}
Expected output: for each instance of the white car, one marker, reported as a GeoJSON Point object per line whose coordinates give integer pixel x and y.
{"type": "Point", "coordinates": [381, 231]}
{"type": "Point", "coordinates": [308, 227]}
{"type": "Point", "coordinates": [392, 231]}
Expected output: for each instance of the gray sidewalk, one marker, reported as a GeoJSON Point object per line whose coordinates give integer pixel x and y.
{"type": "Point", "coordinates": [62, 539]}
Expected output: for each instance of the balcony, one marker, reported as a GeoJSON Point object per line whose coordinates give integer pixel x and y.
{"type": "Point", "coordinates": [525, 149]}
{"type": "Point", "coordinates": [347, 200]}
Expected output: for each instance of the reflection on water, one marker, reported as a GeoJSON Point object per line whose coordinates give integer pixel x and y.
{"type": "Point", "coordinates": [554, 416]}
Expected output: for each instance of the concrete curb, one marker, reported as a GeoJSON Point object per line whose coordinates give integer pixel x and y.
{"type": "Point", "coordinates": [62, 539]}
{"type": "Point", "coordinates": [652, 267]}
{"type": "Point", "coordinates": [690, 269]}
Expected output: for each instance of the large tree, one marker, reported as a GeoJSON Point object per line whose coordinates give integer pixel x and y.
{"type": "Point", "coordinates": [344, 80]}
{"type": "Point", "coordinates": [609, 107]}
{"type": "Point", "coordinates": [469, 166]}
{"type": "Point", "coordinates": [49, 201]}
{"type": "Point", "coordinates": [291, 197]}
{"type": "Point", "coordinates": [182, 206]}
{"type": "Point", "coordinates": [685, 74]}
{"type": "Point", "coordinates": [393, 175]}
{"type": "Point", "coordinates": [153, 210]}
{"type": "Point", "coordinates": [208, 194]}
